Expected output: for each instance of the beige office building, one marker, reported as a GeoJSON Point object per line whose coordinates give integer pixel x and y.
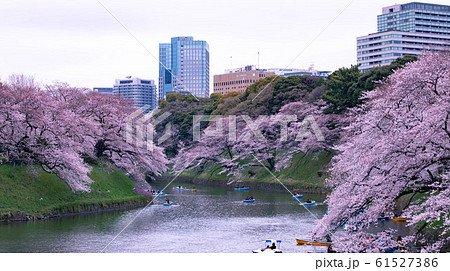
{"type": "Point", "coordinates": [238, 79]}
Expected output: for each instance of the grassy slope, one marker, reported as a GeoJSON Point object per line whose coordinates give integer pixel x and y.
{"type": "Point", "coordinates": [305, 171]}
{"type": "Point", "coordinates": [22, 187]}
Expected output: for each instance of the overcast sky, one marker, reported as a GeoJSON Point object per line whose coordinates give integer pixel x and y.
{"type": "Point", "coordinates": [79, 42]}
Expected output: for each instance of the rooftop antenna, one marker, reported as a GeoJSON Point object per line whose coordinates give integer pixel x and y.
{"type": "Point", "coordinates": [231, 62]}
{"type": "Point", "coordinates": [258, 60]}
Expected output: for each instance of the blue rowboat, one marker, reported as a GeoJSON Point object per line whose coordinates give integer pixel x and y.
{"type": "Point", "coordinates": [241, 188]}
{"type": "Point", "coordinates": [159, 194]}
{"type": "Point", "coordinates": [249, 200]}
{"type": "Point", "coordinates": [312, 203]}
{"type": "Point", "coordinates": [169, 204]}
{"type": "Point", "coordinates": [297, 196]}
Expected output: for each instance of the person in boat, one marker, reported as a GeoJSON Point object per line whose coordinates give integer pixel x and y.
{"type": "Point", "coordinates": [247, 198]}
{"type": "Point", "coordinates": [273, 246]}
{"type": "Point", "coordinates": [399, 246]}
{"type": "Point", "coordinates": [251, 197]}
{"type": "Point", "coordinates": [167, 201]}
{"type": "Point", "coordinates": [308, 201]}
{"type": "Point", "coordinates": [296, 194]}
{"type": "Point", "coordinates": [330, 249]}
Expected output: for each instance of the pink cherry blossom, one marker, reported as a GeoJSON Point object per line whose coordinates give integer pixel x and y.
{"type": "Point", "coordinates": [398, 146]}
{"type": "Point", "coordinates": [55, 126]}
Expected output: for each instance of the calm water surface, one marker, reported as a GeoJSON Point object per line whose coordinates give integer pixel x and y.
{"type": "Point", "coordinates": [209, 220]}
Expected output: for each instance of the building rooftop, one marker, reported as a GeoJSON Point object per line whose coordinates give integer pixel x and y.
{"type": "Point", "coordinates": [425, 6]}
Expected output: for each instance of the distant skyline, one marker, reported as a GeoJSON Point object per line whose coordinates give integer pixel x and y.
{"type": "Point", "coordinates": [80, 43]}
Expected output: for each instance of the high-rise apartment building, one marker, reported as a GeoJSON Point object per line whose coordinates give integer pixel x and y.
{"type": "Point", "coordinates": [407, 29]}
{"type": "Point", "coordinates": [184, 67]}
{"type": "Point", "coordinates": [142, 91]}
{"type": "Point", "coordinates": [238, 79]}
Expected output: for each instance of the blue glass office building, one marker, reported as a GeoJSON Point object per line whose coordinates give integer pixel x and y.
{"type": "Point", "coordinates": [184, 67]}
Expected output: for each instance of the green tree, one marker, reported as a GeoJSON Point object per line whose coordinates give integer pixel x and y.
{"type": "Point", "coordinates": [215, 97]}
{"type": "Point", "coordinates": [291, 89]}
{"type": "Point", "coordinates": [339, 94]}
{"type": "Point", "coordinates": [182, 108]}
{"type": "Point", "coordinates": [371, 79]}
{"type": "Point", "coordinates": [346, 85]}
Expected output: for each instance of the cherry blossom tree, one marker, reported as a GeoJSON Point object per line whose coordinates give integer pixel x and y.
{"type": "Point", "coordinates": [34, 130]}
{"type": "Point", "coordinates": [398, 147]}
{"type": "Point", "coordinates": [58, 125]}
{"type": "Point", "coordinates": [313, 131]}
{"type": "Point", "coordinates": [241, 142]}
{"type": "Point", "coordinates": [104, 119]}
{"type": "Point", "coordinates": [214, 145]}
{"type": "Point", "coordinates": [272, 141]}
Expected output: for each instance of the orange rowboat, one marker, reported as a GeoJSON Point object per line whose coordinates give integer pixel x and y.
{"type": "Point", "coordinates": [400, 219]}
{"type": "Point", "coordinates": [308, 242]}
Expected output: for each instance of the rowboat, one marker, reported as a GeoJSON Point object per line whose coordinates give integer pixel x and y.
{"type": "Point", "coordinates": [308, 242]}
{"type": "Point", "coordinates": [297, 196]}
{"type": "Point", "coordinates": [272, 246]}
{"type": "Point", "coordinates": [241, 188]}
{"type": "Point", "coordinates": [249, 200]}
{"type": "Point", "coordinates": [311, 203]}
{"type": "Point", "coordinates": [384, 218]}
{"type": "Point", "coordinates": [194, 190]}
{"type": "Point", "coordinates": [400, 219]}
{"type": "Point", "coordinates": [159, 194]}
{"type": "Point", "coordinates": [169, 204]}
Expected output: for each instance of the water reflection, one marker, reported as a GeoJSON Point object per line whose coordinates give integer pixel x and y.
{"type": "Point", "coordinates": [209, 220]}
